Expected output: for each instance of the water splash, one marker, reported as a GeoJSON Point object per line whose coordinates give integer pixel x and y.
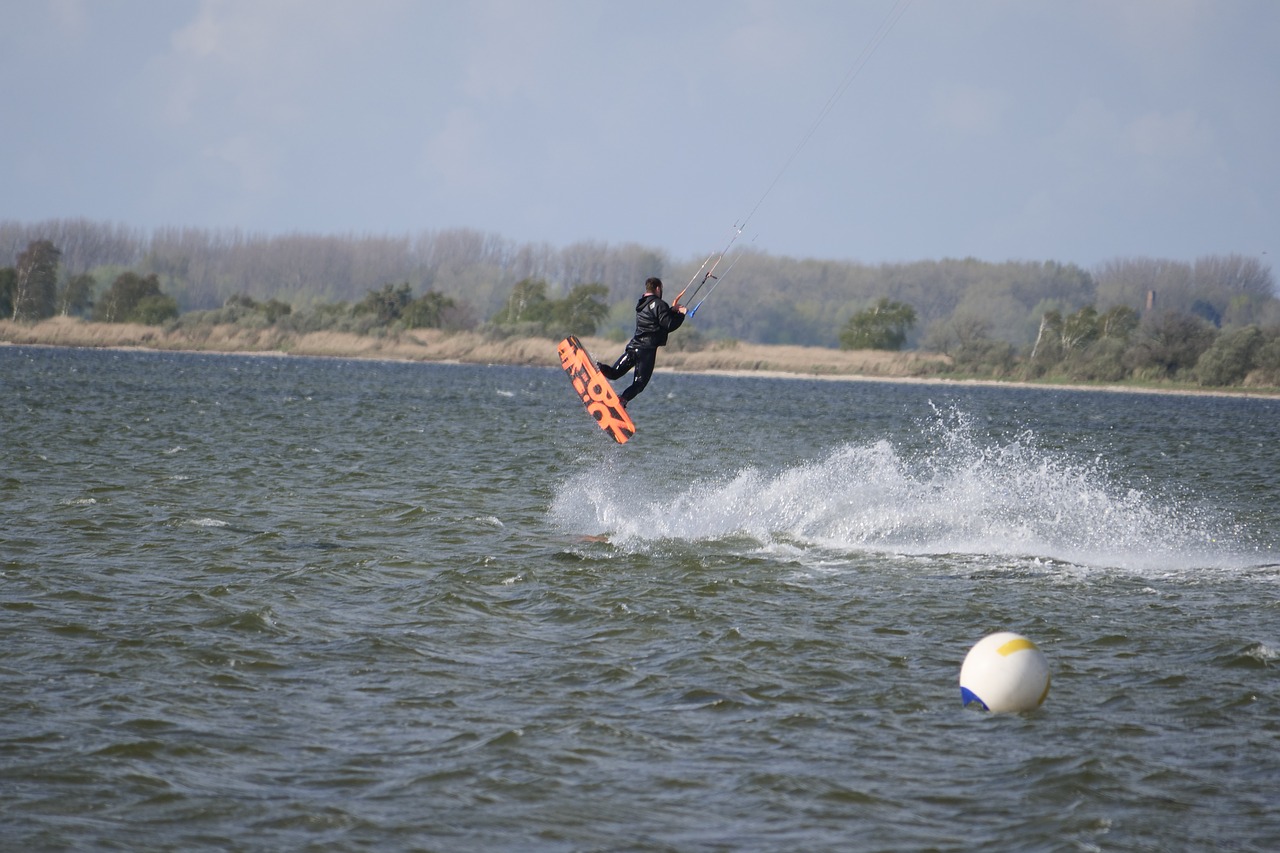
{"type": "Point", "coordinates": [960, 493]}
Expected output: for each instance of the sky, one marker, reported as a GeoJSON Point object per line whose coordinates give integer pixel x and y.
{"type": "Point", "coordinates": [862, 130]}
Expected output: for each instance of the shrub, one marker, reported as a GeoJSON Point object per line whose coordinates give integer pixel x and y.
{"type": "Point", "coordinates": [1168, 343]}
{"type": "Point", "coordinates": [1231, 357]}
{"type": "Point", "coordinates": [883, 326]}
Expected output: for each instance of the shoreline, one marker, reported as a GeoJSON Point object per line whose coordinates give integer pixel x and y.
{"type": "Point", "coordinates": [986, 383]}
{"type": "Point", "coordinates": [437, 347]}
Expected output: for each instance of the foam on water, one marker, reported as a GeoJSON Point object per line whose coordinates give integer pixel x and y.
{"type": "Point", "coordinates": [208, 522]}
{"type": "Point", "coordinates": [960, 494]}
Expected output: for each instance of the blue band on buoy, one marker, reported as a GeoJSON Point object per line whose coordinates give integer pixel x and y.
{"type": "Point", "coordinates": [967, 696]}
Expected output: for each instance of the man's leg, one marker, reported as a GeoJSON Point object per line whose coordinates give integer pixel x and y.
{"type": "Point", "coordinates": [620, 367]}
{"type": "Point", "coordinates": [644, 361]}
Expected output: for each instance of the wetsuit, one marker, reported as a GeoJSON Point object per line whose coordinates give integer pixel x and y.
{"type": "Point", "coordinates": [654, 320]}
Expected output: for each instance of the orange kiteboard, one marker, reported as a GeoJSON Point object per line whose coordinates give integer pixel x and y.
{"type": "Point", "coordinates": [597, 394]}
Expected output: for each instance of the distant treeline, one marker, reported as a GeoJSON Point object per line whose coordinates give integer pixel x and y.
{"type": "Point", "coordinates": [1001, 318]}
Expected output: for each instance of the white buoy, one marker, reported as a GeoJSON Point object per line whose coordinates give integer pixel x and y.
{"type": "Point", "coordinates": [1005, 672]}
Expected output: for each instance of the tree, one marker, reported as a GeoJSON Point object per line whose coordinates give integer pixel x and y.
{"type": "Point", "coordinates": [1101, 361]}
{"type": "Point", "coordinates": [1047, 348]}
{"type": "Point", "coordinates": [1128, 281]}
{"type": "Point", "coordinates": [1233, 274]}
{"type": "Point", "coordinates": [583, 310]}
{"type": "Point", "coordinates": [1080, 329]}
{"type": "Point", "coordinates": [77, 297]}
{"type": "Point", "coordinates": [1169, 342]}
{"type": "Point", "coordinates": [8, 279]}
{"type": "Point", "coordinates": [126, 301]}
{"type": "Point", "coordinates": [388, 303]}
{"type": "Point", "coordinates": [35, 284]}
{"type": "Point", "coordinates": [1231, 358]}
{"type": "Point", "coordinates": [528, 303]}
{"type": "Point", "coordinates": [1205, 310]}
{"type": "Point", "coordinates": [882, 326]}
{"type": "Point", "coordinates": [154, 310]}
{"type": "Point", "coordinates": [1268, 362]}
{"type": "Point", "coordinates": [764, 299]}
{"type": "Point", "coordinates": [271, 310]}
{"type": "Point", "coordinates": [1083, 345]}
{"type": "Point", "coordinates": [428, 311]}
{"type": "Point", "coordinates": [1118, 323]}
{"type": "Point", "coordinates": [274, 309]}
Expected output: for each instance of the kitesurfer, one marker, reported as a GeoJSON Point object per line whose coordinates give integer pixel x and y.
{"type": "Point", "coordinates": [654, 320]}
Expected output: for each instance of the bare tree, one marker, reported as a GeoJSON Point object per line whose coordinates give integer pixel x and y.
{"type": "Point", "coordinates": [35, 286]}
{"type": "Point", "coordinates": [1233, 274]}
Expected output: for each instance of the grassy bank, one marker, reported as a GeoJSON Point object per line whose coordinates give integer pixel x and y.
{"type": "Point", "coordinates": [478, 348]}
{"type": "Point", "coordinates": [467, 347]}
{"type": "Point", "coordinates": [418, 345]}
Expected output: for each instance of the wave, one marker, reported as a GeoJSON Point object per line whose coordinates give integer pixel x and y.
{"type": "Point", "coordinates": [959, 494]}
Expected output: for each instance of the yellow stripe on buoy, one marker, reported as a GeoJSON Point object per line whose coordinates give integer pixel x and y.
{"type": "Point", "coordinates": [1018, 645]}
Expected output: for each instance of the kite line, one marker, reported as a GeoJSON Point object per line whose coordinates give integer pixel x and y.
{"type": "Point", "coordinates": [706, 272]}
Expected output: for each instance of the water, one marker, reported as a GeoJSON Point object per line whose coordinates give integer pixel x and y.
{"type": "Point", "coordinates": [263, 603]}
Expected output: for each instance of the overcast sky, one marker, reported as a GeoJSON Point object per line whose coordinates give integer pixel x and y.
{"type": "Point", "coordinates": [1067, 130]}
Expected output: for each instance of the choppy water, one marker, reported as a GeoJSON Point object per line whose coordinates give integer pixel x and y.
{"type": "Point", "coordinates": [273, 603]}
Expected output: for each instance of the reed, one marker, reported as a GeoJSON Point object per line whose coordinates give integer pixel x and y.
{"type": "Point", "coordinates": [468, 347]}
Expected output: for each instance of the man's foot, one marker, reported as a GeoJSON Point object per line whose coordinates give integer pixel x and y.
{"type": "Point", "coordinates": [600, 366]}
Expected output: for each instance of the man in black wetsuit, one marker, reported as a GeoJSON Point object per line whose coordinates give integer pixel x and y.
{"type": "Point", "coordinates": [654, 319]}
